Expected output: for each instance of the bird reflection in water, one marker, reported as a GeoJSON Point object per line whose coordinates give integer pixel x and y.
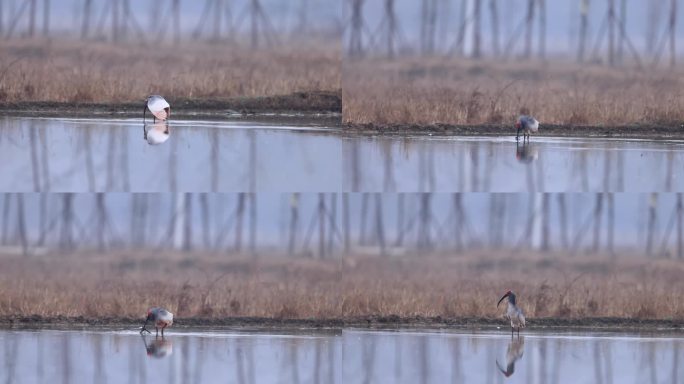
{"type": "Point", "coordinates": [513, 354]}
{"type": "Point", "coordinates": [156, 133]}
{"type": "Point", "coordinates": [158, 348]}
{"type": "Point", "coordinates": [526, 152]}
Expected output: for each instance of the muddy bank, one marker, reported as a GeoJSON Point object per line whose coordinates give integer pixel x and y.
{"type": "Point", "coordinates": [299, 103]}
{"type": "Point", "coordinates": [653, 131]}
{"type": "Point", "coordinates": [372, 322]}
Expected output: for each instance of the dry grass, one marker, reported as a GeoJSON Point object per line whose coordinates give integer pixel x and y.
{"type": "Point", "coordinates": [428, 91]}
{"type": "Point", "coordinates": [66, 71]}
{"type": "Point", "coordinates": [124, 285]}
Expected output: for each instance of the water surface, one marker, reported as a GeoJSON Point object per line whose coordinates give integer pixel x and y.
{"type": "Point", "coordinates": [80, 155]}
{"type": "Point", "coordinates": [347, 356]}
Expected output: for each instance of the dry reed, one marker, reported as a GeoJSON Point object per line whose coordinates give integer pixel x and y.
{"type": "Point", "coordinates": [449, 91]}
{"type": "Point", "coordinates": [69, 71]}
{"type": "Point", "coordinates": [218, 286]}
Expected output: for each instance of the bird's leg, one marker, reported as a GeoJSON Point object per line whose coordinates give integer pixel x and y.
{"type": "Point", "coordinates": [143, 328]}
{"type": "Point", "coordinates": [517, 135]}
{"type": "Point", "coordinates": [163, 331]}
{"type": "Point", "coordinates": [157, 331]}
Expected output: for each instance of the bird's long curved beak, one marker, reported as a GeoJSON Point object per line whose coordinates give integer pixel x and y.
{"type": "Point", "coordinates": [501, 299]}
{"type": "Point", "coordinates": [143, 327]}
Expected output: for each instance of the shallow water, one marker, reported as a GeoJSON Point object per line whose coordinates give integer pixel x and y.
{"type": "Point", "coordinates": [348, 356]}
{"type": "Point", "coordinates": [80, 155]}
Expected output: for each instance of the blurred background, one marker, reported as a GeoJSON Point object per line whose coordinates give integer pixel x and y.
{"type": "Point", "coordinates": [332, 225]}
{"type": "Point", "coordinates": [567, 62]}
{"type": "Point", "coordinates": [260, 22]}
{"type": "Point", "coordinates": [118, 51]}
{"type": "Point", "coordinates": [608, 31]}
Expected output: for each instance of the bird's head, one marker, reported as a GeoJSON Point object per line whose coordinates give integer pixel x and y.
{"type": "Point", "coordinates": [518, 125]}
{"type": "Point", "coordinates": [503, 297]}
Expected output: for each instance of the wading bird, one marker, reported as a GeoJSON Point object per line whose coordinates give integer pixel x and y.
{"type": "Point", "coordinates": [526, 124]}
{"type": "Point", "coordinates": [159, 107]}
{"type": "Point", "coordinates": [513, 312]}
{"type": "Point", "coordinates": [513, 354]}
{"type": "Point", "coordinates": [160, 317]}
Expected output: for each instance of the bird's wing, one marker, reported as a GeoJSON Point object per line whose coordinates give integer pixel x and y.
{"type": "Point", "coordinates": [521, 316]}
{"type": "Point", "coordinates": [157, 103]}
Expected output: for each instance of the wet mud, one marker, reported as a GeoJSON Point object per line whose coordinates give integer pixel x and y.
{"type": "Point", "coordinates": [369, 322]}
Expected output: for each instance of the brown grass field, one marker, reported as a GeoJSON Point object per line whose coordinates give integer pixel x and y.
{"type": "Point", "coordinates": [449, 91]}
{"type": "Point", "coordinates": [74, 72]}
{"type": "Point", "coordinates": [123, 285]}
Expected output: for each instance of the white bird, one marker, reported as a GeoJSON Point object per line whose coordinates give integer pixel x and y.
{"type": "Point", "coordinates": [513, 354]}
{"type": "Point", "coordinates": [157, 133]}
{"type": "Point", "coordinates": [513, 312]}
{"type": "Point", "coordinates": [160, 317]}
{"type": "Point", "coordinates": [159, 107]}
{"type": "Point", "coordinates": [526, 124]}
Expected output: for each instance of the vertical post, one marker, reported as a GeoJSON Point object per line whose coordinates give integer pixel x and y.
{"type": "Point", "coordinates": [345, 219]}
{"type": "Point", "coordinates": [458, 223]}
{"type": "Point", "coordinates": [66, 238]}
{"type": "Point", "coordinates": [529, 20]}
{"type": "Point", "coordinates": [101, 220]}
{"type": "Point", "coordinates": [611, 32]}
{"type": "Point", "coordinates": [85, 27]}
{"type": "Point", "coordinates": [423, 26]}
{"type": "Point", "coordinates": [673, 34]}
{"type": "Point", "coordinates": [32, 17]}
{"type": "Point", "coordinates": [321, 225]}
{"type": "Point", "coordinates": [187, 222]}
{"type": "Point", "coordinates": [652, 205]}
{"type": "Point", "coordinates": [462, 21]}
{"type": "Point", "coordinates": [545, 222]}
{"type": "Point", "coordinates": [379, 225]}
{"type": "Point", "coordinates": [680, 209]}
{"type": "Point", "coordinates": [623, 29]}
{"type": "Point", "coordinates": [652, 26]}
{"type": "Point", "coordinates": [176, 21]}
{"type": "Point", "coordinates": [2, 17]}
{"type": "Point", "coordinates": [217, 19]}
{"type": "Point", "coordinates": [252, 223]}
{"type": "Point", "coordinates": [391, 27]}
{"type": "Point", "coordinates": [21, 224]}
{"type": "Point", "coordinates": [584, 24]}
{"type": "Point", "coordinates": [355, 43]}
{"type": "Point", "coordinates": [294, 219]}
{"type": "Point", "coordinates": [563, 217]}
{"type": "Point", "coordinates": [303, 16]}
{"type": "Point", "coordinates": [255, 24]}
{"type": "Point", "coordinates": [598, 208]}
{"type": "Point", "coordinates": [542, 29]}
{"type": "Point", "coordinates": [46, 17]}
{"type": "Point", "coordinates": [239, 215]}
{"type": "Point", "coordinates": [115, 20]}
{"type": "Point", "coordinates": [611, 222]}
{"type": "Point", "coordinates": [495, 26]}
{"type": "Point", "coordinates": [477, 29]}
